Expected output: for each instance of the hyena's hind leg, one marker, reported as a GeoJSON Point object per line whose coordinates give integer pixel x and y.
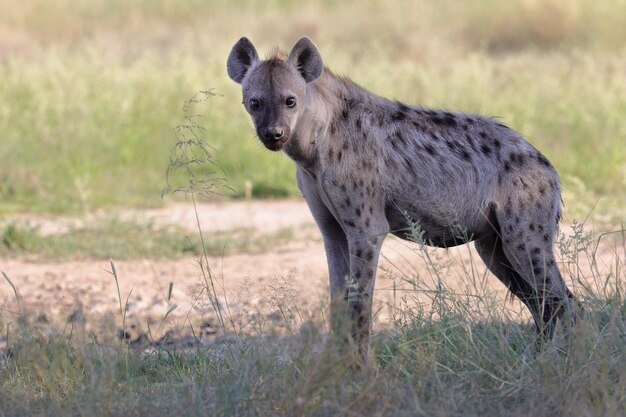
{"type": "Point", "coordinates": [490, 250]}
{"type": "Point", "coordinates": [525, 248]}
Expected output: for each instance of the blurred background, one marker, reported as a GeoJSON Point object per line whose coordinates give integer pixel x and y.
{"type": "Point", "coordinates": [90, 91]}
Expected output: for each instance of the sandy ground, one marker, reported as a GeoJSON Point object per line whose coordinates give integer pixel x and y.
{"type": "Point", "coordinates": [283, 288]}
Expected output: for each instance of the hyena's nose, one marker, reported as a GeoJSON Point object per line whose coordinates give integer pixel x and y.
{"type": "Point", "coordinates": [273, 133]}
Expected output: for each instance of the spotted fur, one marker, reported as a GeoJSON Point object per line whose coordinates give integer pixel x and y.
{"type": "Point", "coordinates": [368, 166]}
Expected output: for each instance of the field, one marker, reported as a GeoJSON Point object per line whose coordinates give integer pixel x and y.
{"type": "Point", "coordinates": [117, 300]}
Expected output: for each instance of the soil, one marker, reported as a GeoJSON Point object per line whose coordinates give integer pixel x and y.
{"type": "Point", "coordinates": [167, 300]}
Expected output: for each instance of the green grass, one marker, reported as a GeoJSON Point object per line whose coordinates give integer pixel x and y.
{"type": "Point", "coordinates": [90, 92]}
{"type": "Point", "coordinates": [121, 239]}
{"type": "Point", "coordinates": [460, 354]}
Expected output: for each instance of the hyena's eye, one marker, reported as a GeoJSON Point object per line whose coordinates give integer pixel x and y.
{"type": "Point", "coordinates": [290, 102]}
{"type": "Point", "coordinates": [255, 104]}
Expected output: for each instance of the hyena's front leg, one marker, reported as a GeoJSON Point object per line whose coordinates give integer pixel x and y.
{"type": "Point", "coordinates": [364, 251]}
{"type": "Point", "coordinates": [361, 215]}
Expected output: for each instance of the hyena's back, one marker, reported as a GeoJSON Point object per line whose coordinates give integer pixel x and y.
{"type": "Point", "coordinates": [449, 171]}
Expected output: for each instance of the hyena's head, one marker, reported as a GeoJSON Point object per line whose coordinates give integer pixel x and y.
{"type": "Point", "coordinates": [274, 90]}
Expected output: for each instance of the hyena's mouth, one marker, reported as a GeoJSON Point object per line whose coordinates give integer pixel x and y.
{"type": "Point", "coordinates": [275, 145]}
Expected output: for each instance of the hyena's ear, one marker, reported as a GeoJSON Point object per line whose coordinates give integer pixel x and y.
{"type": "Point", "coordinates": [241, 57]}
{"type": "Point", "coordinates": [307, 59]}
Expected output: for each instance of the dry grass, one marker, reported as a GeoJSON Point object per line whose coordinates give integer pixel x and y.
{"type": "Point", "coordinates": [88, 87]}
{"type": "Point", "coordinates": [89, 93]}
{"type": "Point", "coordinates": [462, 354]}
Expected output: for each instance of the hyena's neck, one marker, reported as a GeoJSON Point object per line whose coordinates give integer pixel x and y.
{"type": "Point", "coordinates": [317, 126]}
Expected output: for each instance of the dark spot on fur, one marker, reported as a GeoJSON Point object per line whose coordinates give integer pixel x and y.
{"type": "Point", "coordinates": [393, 142]}
{"type": "Point", "coordinates": [531, 226]}
{"type": "Point", "coordinates": [434, 136]}
{"type": "Point", "coordinates": [465, 155]}
{"type": "Point", "coordinates": [357, 274]}
{"type": "Point", "coordinates": [469, 120]}
{"type": "Point", "coordinates": [537, 271]}
{"type": "Point", "coordinates": [343, 187]}
{"type": "Point", "coordinates": [409, 164]}
{"type": "Point", "coordinates": [436, 120]}
{"type": "Point", "coordinates": [400, 137]}
{"type": "Point", "coordinates": [543, 160]}
{"type": "Point", "coordinates": [371, 209]}
{"type": "Point", "coordinates": [542, 190]}
{"type": "Point", "coordinates": [367, 222]}
{"type": "Point", "coordinates": [357, 123]}
{"type": "Point", "coordinates": [370, 255]}
{"type": "Point", "coordinates": [497, 143]}
{"type": "Point", "coordinates": [470, 140]}
{"type": "Point", "coordinates": [507, 167]}
{"type": "Point", "coordinates": [350, 223]}
{"type": "Point", "coordinates": [521, 246]}
{"type": "Point", "coordinates": [450, 144]}
{"type": "Point", "coordinates": [359, 252]}
{"type": "Point", "coordinates": [429, 148]}
{"type": "Point", "coordinates": [348, 202]}
{"type": "Point", "coordinates": [540, 228]}
{"type": "Point", "coordinates": [517, 159]}
{"type": "Point", "coordinates": [546, 238]}
{"type": "Point", "coordinates": [446, 120]}
{"type": "Point", "coordinates": [450, 119]}
{"type": "Point", "coordinates": [358, 212]}
{"type": "Point", "coordinates": [486, 149]}
{"type": "Point", "coordinates": [536, 251]}
{"type": "Point", "coordinates": [403, 107]}
{"type": "Point", "coordinates": [483, 134]}
{"type": "Point", "coordinates": [398, 116]}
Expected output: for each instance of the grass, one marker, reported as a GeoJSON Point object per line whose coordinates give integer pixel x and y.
{"type": "Point", "coordinates": [87, 116]}
{"type": "Point", "coordinates": [90, 94]}
{"type": "Point", "coordinates": [462, 354]}
{"type": "Point", "coordinates": [126, 239]}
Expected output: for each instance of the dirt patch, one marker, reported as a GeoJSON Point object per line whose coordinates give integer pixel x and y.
{"type": "Point", "coordinates": [285, 287]}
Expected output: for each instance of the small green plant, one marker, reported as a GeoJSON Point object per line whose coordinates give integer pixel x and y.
{"type": "Point", "coordinates": [18, 237]}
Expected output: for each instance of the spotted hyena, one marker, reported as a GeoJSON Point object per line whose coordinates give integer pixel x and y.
{"type": "Point", "coordinates": [368, 166]}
